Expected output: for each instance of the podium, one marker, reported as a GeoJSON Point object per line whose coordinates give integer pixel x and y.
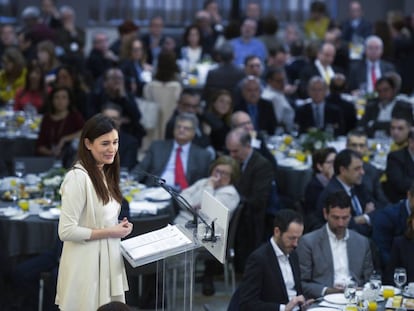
{"type": "Point", "coordinates": [173, 250]}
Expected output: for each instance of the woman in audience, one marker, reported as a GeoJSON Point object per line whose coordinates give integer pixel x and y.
{"type": "Point", "coordinates": [47, 59]}
{"type": "Point", "coordinates": [13, 74]}
{"type": "Point", "coordinates": [60, 125]}
{"type": "Point", "coordinates": [164, 89]}
{"type": "Point", "coordinates": [322, 164]}
{"type": "Point", "coordinates": [218, 117]}
{"type": "Point", "coordinates": [67, 76]}
{"type": "Point", "coordinates": [34, 93]}
{"type": "Point", "coordinates": [192, 51]}
{"type": "Point", "coordinates": [224, 173]}
{"type": "Point", "coordinates": [133, 64]}
{"type": "Point", "coordinates": [318, 22]}
{"type": "Point", "coordinates": [402, 253]}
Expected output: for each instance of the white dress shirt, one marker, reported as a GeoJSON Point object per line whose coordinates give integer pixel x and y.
{"type": "Point", "coordinates": [340, 257]}
{"type": "Point", "coordinates": [286, 270]}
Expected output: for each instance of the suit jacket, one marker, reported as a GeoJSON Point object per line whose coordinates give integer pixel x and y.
{"type": "Point", "coordinates": [316, 260]}
{"type": "Point", "coordinates": [333, 186]}
{"type": "Point", "coordinates": [254, 187]}
{"type": "Point", "coordinates": [146, 40]}
{"type": "Point", "coordinates": [157, 156]}
{"type": "Point", "coordinates": [370, 123]}
{"type": "Point", "coordinates": [371, 182]}
{"type": "Point", "coordinates": [358, 72]}
{"type": "Point", "coordinates": [332, 115]}
{"type": "Point", "coordinates": [400, 174]}
{"type": "Point", "coordinates": [309, 71]}
{"type": "Point", "coordinates": [387, 224]}
{"type": "Point", "coordinates": [225, 76]}
{"type": "Point", "coordinates": [131, 74]}
{"type": "Point", "coordinates": [263, 286]}
{"type": "Point", "coordinates": [347, 109]}
{"type": "Point", "coordinates": [363, 30]}
{"type": "Point", "coordinates": [266, 120]}
{"type": "Point", "coordinates": [402, 255]}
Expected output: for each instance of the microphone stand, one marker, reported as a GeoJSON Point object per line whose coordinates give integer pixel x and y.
{"type": "Point", "coordinates": [183, 204]}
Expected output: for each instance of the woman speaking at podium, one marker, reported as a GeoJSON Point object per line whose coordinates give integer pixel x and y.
{"type": "Point", "coordinates": [91, 271]}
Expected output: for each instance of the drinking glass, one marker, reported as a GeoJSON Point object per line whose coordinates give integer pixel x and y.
{"type": "Point", "coordinates": [375, 283]}
{"type": "Point", "coordinates": [350, 291]}
{"type": "Point", "coordinates": [19, 168]}
{"type": "Point", "coordinates": [49, 195]}
{"type": "Point", "coordinates": [400, 277]}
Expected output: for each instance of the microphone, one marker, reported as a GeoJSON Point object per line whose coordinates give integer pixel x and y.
{"type": "Point", "coordinates": [155, 179]}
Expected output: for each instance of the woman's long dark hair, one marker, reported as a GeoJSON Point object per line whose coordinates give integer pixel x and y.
{"type": "Point", "coordinates": [95, 127]}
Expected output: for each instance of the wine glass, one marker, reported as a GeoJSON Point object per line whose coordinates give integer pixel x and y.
{"type": "Point", "coordinates": [19, 168]}
{"type": "Point", "coordinates": [350, 291]}
{"type": "Point", "coordinates": [375, 283]}
{"type": "Point", "coordinates": [400, 277]}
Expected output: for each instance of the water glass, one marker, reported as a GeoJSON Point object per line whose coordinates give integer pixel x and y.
{"type": "Point", "coordinates": [19, 168]}
{"type": "Point", "coordinates": [400, 277]}
{"type": "Point", "coordinates": [49, 195]}
{"type": "Point", "coordinates": [350, 291]}
{"type": "Point", "coordinates": [375, 283]}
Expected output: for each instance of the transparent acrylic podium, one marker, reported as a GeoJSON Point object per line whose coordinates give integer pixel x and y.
{"type": "Point", "coordinates": [173, 250]}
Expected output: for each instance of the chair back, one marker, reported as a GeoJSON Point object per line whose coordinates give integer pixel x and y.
{"type": "Point", "coordinates": [231, 237]}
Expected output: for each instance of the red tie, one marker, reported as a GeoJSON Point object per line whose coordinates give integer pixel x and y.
{"type": "Point", "coordinates": [373, 76]}
{"type": "Point", "coordinates": [179, 170]}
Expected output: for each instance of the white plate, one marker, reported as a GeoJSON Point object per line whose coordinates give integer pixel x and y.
{"type": "Point", "coordinates": [407, 294]}
{"type": "Point", "coordinates": [10, 211]}
{"type": "Point", "coordinates": [48, 215]}
{"type": "Point", "coordinates": [338, 299]}
{"type": "Point", "coordinates": [323, 309]}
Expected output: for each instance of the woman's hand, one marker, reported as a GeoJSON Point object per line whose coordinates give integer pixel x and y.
{"type": "Point", "coordinates": [122, 229]}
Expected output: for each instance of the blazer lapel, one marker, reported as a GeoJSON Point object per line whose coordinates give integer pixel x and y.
{"type": "Point", "coordinates": [277, 273]}
{"type": "Point", "coordinates": [353, 261]}
{"type": "Point", "coordinates": [326, 252]}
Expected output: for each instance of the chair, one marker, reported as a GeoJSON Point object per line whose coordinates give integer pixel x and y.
{"type": "Point", "coordinates": [229, 267]}
{"type": "Point", "coordinates": [36, 165]}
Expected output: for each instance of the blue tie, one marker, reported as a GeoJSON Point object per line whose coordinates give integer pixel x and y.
{"type": "Point", "coordinates": [252, 110]}
{"type": "Point", "coordinates": [355, 203]}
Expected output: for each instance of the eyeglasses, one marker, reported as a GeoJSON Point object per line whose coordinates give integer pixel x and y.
{"type": "Point", "coordinates": [183, 127]}
{"type": "Point", "coordinates": [221, 172]}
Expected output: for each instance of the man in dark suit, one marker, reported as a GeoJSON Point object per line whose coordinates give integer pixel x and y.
{"type": "Point", "coordinates": [356, 28]}
{"type": "Point", "coordinates": [358, 141]}
{"type": "Point", "coordinates": [322, 66]}
{"type": "Point", "coordinates": [332, 255]}
{"type": "Point", "coordinates": [161, 158]}
{"type": "Point", "coordinates": [153, 39]}
{"type": "Point", "coordinates": [317, 113]}
{"type": "Point", "coordinates": [254, 187]}
{"type": "Point", "coordinates": [379, 111]}
{"type": "Point", "coordinates": [271, 280]}
{"type": "Point", "coordinates": [391, 222]}
{"type": "Point", "coordinates": [225, 76]}
{"type": "Point", "coordinates": [363, 74]}
{"type": "Point", "coordinates": [349, 171]}
{"type": "Point", "coordinates": [128, 144]}
{"type": "Point", "coordinates": [260, 110]}
{"type": "Point", "coordinates": [400, 171]}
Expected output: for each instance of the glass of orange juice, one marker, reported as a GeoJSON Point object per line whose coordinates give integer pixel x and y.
{"type": "Point", "coordinates": [372, 305]}
{"type": "Point", "coordinates": [388, 291]}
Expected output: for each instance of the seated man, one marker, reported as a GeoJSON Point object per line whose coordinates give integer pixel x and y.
{"type": "Point", "coordinates": [332, 255]}
{"type": "Point", "coordinates": [358, 141]}
{"type": "Point", "coordinates": [271, 280]}
{"type": "Point", "coordinates": [400, 171]}
{"type": "Point", "coordinates": [348, 170]}
{"type": "Point", "coordinates": [391, 222]}
{"type": "Point", "coordinates": [179, 162]}
{"type": "Point", "coordinates": [317, 113]}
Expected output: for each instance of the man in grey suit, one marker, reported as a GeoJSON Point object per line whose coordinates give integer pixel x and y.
{"type": "Point", "coordinates": [160, 159]}
{"type": "Point", "coordinates": [321, 272]}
